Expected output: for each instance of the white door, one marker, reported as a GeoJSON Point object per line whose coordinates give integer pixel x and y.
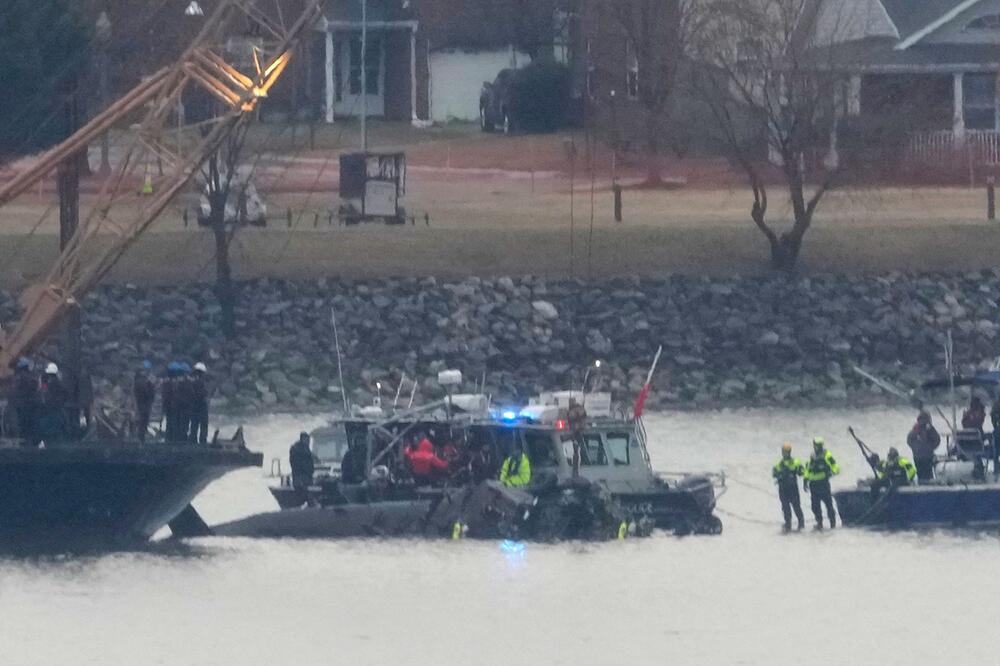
{"type": "Point", "coordinates": [348, 102]}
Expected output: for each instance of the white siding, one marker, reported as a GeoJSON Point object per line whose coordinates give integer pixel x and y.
{"type": "Point", "coordinates": [849, 20]}
{"type": "Point", "coordinates": [457, 77]}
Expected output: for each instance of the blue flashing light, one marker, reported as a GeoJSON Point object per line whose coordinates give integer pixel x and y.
{"type": "Point", "coordinates": [508, 546]}
{"type": "Point", "coordinates": [509, 415]}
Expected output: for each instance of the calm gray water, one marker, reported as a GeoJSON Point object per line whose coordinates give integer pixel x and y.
{"type": "Point", "coordinates": [751, 596]}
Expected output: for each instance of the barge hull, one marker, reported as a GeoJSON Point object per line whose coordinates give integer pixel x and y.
{"type": "Point", "coordinates": [926, 506]}
{"type": "Point", "coordinates": [103, 495]}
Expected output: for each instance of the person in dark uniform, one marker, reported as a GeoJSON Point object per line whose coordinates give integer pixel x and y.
{"type": "Point", "coordinates": [300, 458]}
{"type": "Point", "coordinates": [54, 398]}
{"type": "Point", "coordinates": [26, 403]}
{"type": "Point", "coordinates": [168, 392]}
{"type": "Point", "coordinates": [198, 433]}
{"type": "Point", "coordinates": [923, 440]}
{"type": "Point", "coordinates": [352, 465]}
{"type": "Point", "coordinates": [185, 402]}
{"type": "Point", "coordinates": [786, 473]}
{"type": "Point", "coordinates": [144, 392]}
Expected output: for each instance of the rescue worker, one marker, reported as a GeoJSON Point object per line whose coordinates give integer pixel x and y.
{"type": "Point", "coordinates": [895, 470]}
{"type": "Point", "coordinates": [300, 459]}
{"type": "Point", "coordinates": [425, 465]}
{"type": "Point", "coordinates": [576, 421]}
{"type": "Point", "coordinates": [516, 469]}
{"type": "Point", "coordinates": [786, 473]}
{"type": "Point", "coordinates": [923, 440]}
{"type": "Point", "coordinates": [52, 419]}
{"type": "Point", "coordinates": [184, 396]}
{"type": "Point", "coordinates": [26, 403]}
{"type": "Point", "coordinates": [974, 417]}
{"type": "Point", "coordinates": [820, 469]}
{"type": "Point", "coordinates": [198, 428]}
{"type": "Point", "coordinates": [144, 392]}
{"type": "Point", "coordinates": [168, 393]}
{"type": "Point", "coordinates": [352, 465]}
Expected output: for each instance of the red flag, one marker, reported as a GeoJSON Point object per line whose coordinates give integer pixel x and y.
{"type": "Point", "coordinates": [640, 400]}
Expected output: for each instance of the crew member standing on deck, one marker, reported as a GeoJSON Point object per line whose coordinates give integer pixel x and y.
{"type": "Point", "coordinates": [786, 474]}
{"type": "Point", "coordinates": [185, 402]}
{"type": "Point", "coordinates": [895, 470]}
{"type": "Point", "coordinates": [52, 422]}
{"type": "Point", "coordinates": [168, 391]}
{"type": "Point", "coordinates": [300, 459]}
{"type": "Point", "coordinates": [26, 403]}
{"type": "Point", "coordinates": [198, 433]}
{"type": "Point", "coordinates": [923, 440]}
{"type": "Point", "coordinates": [974, 417]}
{"type": "Point", "coordinates": [820, 469]}
{"type": "Point", "coordinates": [144, 392]}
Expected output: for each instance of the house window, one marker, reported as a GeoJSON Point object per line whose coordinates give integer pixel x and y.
{"type": "Point", "coordinates": [988, 23]}
{"type": "Point", "coordinates": [632, 74]}
{"type": "Point", "coordinates": [373, 60]}
{"type": "Point", "coordinates": [979, 101]}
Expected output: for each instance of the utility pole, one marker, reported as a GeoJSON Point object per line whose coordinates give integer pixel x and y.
{"type": "Point", "coordinates": [68, 175]}
{"type": "Point", "coordinates": [364, 76]}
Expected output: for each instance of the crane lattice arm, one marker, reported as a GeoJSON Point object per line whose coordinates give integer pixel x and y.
{"type": "Point", "coordinates": [101, 240]}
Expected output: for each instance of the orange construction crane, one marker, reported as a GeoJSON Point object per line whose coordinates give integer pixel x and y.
{"type": "Point", "coordinates": [84, 261]}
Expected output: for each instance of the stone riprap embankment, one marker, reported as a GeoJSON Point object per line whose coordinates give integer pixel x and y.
{"type": "Point", "coordinates": [752, 341]}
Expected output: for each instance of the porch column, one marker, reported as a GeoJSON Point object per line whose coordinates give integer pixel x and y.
{"type": "Point", "coordinates": [854, 95]}
{"type": "Point", "coordinates": [413, 76]}
{"type": "Point", "coordinates": [958, 119]}
{"type": "Point", "coordinates": [329, 76]}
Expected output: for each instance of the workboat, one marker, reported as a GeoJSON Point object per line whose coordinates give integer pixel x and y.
{"type": "Point", "coordinates": [104, 492]}
{"type": "Point", "coordinates": [598, 469]}
{"type": "Point", "coordinates": [965, 490]}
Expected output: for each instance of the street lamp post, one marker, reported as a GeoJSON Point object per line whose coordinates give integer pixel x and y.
{"type": "Point", "coordinates": [586, 375]}
{"type": "Point", "coordinates": [103, 34]}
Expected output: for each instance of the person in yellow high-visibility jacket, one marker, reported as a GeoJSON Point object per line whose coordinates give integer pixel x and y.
{"type": "Point", "coordinates": [516, 469]}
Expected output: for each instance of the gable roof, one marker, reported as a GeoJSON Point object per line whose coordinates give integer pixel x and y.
{"type": "Point", "coordinates": [918, 18]}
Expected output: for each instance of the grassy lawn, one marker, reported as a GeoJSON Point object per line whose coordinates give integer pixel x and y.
{"type": "Point", "coordinates": [501, 205]}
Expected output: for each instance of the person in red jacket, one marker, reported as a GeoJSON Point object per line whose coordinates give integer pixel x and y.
{"type": "Point", "coordinates": [424, 463]}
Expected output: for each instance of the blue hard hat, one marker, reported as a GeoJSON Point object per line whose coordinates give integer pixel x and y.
{"type": "Point", "coordinates": [185, 368]}
{"type": "Point", "coordinates": [23, 363]}
{"type": "Point", "coordinates": [174, 367]}
{"type": "Point", "coordinates": [146, 365]}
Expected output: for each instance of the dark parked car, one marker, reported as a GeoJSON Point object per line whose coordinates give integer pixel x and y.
{"type": "Point", "coordinates": [534, 99]}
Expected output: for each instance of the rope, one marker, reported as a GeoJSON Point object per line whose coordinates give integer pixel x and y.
{"type": "Point", "coordinates": [751, 486]}
{"type": "Point", "coordinates": [745, 519]}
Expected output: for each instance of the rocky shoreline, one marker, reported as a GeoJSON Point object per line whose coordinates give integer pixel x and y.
{"type": "Point", "coordinates": [756, 341]}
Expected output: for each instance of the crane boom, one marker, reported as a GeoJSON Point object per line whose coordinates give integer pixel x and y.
{"type": "Point", "coordinates": [100, 240]}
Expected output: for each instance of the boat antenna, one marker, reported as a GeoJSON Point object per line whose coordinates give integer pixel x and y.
{"type": "Point", "coordinates": [640, 400]}
{"type": "Point", "coordinates": [399, 388]}
{"type": "Point", "coordinates": [340, 363]}
{"type": "Point", "coordinates": [413, 392]}
{"type": "Point", "coordinates": [949, 361]}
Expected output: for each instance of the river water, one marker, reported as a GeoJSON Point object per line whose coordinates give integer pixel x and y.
{"type": "Point", "coordinates": [750, 596]}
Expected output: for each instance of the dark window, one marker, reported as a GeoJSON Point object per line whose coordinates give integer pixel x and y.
{"type": "Point", "coordinates": [540, 450]}
{"type": "Point", "coordinates": [979, 101]}
{"type": "Point", "coordinates": [618, 447]}
{"type": "Point", "coordinates": [592, 451]}
{"type": "Point", "coordinates": [373, 60]}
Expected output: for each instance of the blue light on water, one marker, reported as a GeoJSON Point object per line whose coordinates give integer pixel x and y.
{"type": "Point", "coordinates": [508, 546]}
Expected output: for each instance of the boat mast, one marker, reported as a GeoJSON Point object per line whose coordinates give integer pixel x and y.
{"type": "Point", "coordinates": [364, 76]}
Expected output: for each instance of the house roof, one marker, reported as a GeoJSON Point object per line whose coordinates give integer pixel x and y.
{"type": "Point", "coordinates": [910, 16]}
{"type": "Point", "coordinates": [880, 54]}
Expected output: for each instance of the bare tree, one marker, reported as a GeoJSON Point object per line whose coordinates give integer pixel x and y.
{"type": "Point", "coordinates": [637, 52]}
{"type": "Point", "coordinates": [224, 189]}
{"type": "Point", "coordinates": [768, 77]}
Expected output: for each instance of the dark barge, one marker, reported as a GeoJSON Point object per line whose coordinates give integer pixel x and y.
{"type": "Point", "coordinates": [104, 494]}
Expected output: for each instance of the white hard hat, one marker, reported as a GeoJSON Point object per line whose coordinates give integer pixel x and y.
{"type": "Point", "coordinates": [200, 367]}
{"type": "Point", "coordinates": [52, 369]}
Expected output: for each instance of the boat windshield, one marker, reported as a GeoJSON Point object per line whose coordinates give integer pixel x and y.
{"type": "Point", "coordinates": [330, 444]}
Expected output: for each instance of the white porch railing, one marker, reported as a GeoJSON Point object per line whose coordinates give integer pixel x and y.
{"type": "Point", "coordinates": [940, 147]}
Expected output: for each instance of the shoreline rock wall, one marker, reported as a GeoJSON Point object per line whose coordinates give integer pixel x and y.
{"type": "Point", "coordinates": [726, 342]}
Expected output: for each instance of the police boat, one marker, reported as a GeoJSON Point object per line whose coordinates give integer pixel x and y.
{"type": "Point", "coordinates": [584, 472]}
{"type": "Point", "coordinates": [965, 488]}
